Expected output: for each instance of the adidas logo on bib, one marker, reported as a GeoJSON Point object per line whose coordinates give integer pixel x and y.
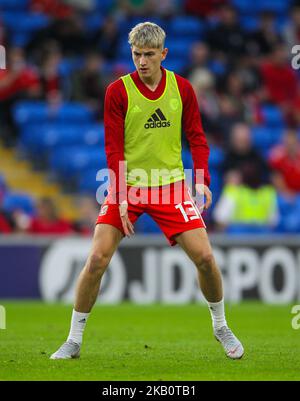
{"type": "Point", "coordinates": [157, 120]}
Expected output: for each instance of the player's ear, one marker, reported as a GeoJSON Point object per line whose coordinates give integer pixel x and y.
{"type": "Point", "coordinates": [164, 54]}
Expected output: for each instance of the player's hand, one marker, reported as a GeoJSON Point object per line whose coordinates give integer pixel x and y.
{"type": "Point", "coordinates": [126, 223]}
{"type": "Point", "coordinates": [204, 190]}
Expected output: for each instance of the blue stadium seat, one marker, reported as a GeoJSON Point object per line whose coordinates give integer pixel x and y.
{"type": "Point", "coordinates": [146, 224]}
{"type": "Point", "coordinates": [71, 160]}
{"type": "Point", "coordinates": [68, 66]}
{"type": "Point", "coordinates": [264, 138]}
{"type": "Point", "coordinates": [249, 22]}
{"type": "Point", "coordinates": [175, 64]}
{"type": "Point", "coordinates": [187, 159]}
{"type": "Point", "coordinates": [14, 4]}
{"type": "Point", "coordinates": [277, 6]}
{"type": "Point", "coordinates": [187, 26]}
{"type": "Point", "coordinates": [273, 116]}
{"type": "Point", "coordinates": [251, 229]}
{"type": "Point", "coordinates": [43, 138]}
{"type": "Point", "coordinates": [178, 47]}
{"type": "Point", "coordinates": [216, 157]}
{"type": "Point", "coordinates": [88, 182]}
{"type": "Point", "coordinates": [25, 22]}
{"type": "Point", "coordinates": [105, 6]}
{"type": "Point", "coordinates": [38, 112]}
{"type": "Point", "coordinates": [17, 201]}
{"type": "Point", "coordinates": [246, 6]}
{"type": "Point", "coordinates": [216, 182]}
{"type": "Point", "coordinates": [289, 214]}
{"type": "Point", "coordinates": [93, 21]}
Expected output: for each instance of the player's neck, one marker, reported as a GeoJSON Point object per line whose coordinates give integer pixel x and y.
{"type": "Point", "coordinates": [153, 81]}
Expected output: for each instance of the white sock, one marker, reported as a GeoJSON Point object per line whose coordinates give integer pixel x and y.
{"type": "Point", "coordinates": [217, 314]}
{"type": "Point", "coordinates": [78, 323]}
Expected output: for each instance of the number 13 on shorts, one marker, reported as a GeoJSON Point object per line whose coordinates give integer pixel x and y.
{"type": "Point", "coordinates": [188, 213]}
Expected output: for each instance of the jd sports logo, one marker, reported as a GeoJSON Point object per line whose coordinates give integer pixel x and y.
{"type": "Point", "coordinates": [157, 120]}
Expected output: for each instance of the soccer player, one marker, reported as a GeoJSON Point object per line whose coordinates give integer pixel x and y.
{"type": "Point", "coordinates": [145, 112]}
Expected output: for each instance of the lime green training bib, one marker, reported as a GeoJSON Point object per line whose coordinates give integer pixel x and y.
{"type": "Point", "coordinates": [152, 142]}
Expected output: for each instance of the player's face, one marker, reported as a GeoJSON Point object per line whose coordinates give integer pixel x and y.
{"type": "Point", "coordinates": [148, 60]}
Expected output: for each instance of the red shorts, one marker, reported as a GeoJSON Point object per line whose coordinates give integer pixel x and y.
{"type": "Point", "coordinates": [174, 213]}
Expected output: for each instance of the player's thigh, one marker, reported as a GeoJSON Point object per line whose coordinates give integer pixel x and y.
{"type": "Point", "coordinates": [196, 245]}
{"type": "Point", "coordinates": [106, 240]}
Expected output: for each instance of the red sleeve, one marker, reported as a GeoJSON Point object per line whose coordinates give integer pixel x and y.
{"type": "Point", "coordinates": [192, 127]}
{"type": "Point", "coordinates": [115, 106]}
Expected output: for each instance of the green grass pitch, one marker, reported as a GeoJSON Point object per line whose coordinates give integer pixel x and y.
{"type": "Point", "coordinates": [137, 342]}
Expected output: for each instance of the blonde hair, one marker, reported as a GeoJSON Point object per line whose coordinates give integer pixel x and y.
{"type": "Point", "coordinates": [147, 34]}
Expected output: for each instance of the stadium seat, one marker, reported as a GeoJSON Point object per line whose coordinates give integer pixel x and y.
{"type": "Point", "coordinates": [289, 214]}
{"type": "Point", "coordinates": [14, 201]}
{"type": "Point", "coordinates": [252, 229]}
{"type": "Point", "coordinates": [175, 64]}
{"type": "Point", "coordinates": [187, 26]}
{"type": "Point", "coordinates": [105, 6]}
{"type": "Point", "coordinates": [14, 5]}
{"type": "Point", "coordinates": [273, 116]}
{"type": "Point", "coordinates": [178, 47]}
{"type": "Point", "coordinates": [25, 22]}
{"type": "Point", "coordinates": [71, 160]}
{"type": "Point", "coordinates": [46, 137]}
{"type": "Point", "coordinates": [264, 138]}
{"type": "Point", "coordinates": [67, 66]}
{"type": "Point", "coordinates": [93, 21]}
{"type": "Point", "coordinates": [146, 224]}
{"type": "Point", "coordinates": [37, 112]}
{"type": "Point", "coordinates": [88, 182]}
{"type": "Point", "coordinates": [187, 159]}
{"type": "Point", "coordinates": [216, 157]}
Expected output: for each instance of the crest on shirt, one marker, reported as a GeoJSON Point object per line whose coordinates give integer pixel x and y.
{"type": "Point", "coordinates": [174, 104]}
{"type": "Point", "coordinates": [103, 210]}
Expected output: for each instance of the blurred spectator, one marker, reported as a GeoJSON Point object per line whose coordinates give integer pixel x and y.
{"type": "Point", "coordinates": [279, 79]}
{"type": "Point", "coordinates": [5, 227]}
{"type": "Point", "coordinates": [106, 39]}
{"type": "Point", "coordinates": [18, 81]}
{"type": "Point", "coordinates": [241, 154]}
{"type": "Point", "coordinates": [285, 161]}
{"type": "Point", "coordinates": [227, 40]}
{"type": "Point", "coordinates": [88, 211]}
{"type": "Point", "coordinates": [199, 58]}
{"type": "Point", "coordinates": [54, 8]}
{"type": "Point", "coordinates": [49, 74]}
{"type": "Point", "coordinates": [261, 41]}
{"type": "Point", "coordinates": [164, 8]}
{"type": "Point", "coordinates": [47, 220]}
{"type": "Point", "coordinates": [68, 33]}
{"type": "Point", "coordinates": [203, 8]}
{"type": "Point", "coordinates": [292, 29]}
{"type": "Point", "coordinates": [89, 83]}
{"type": "Point", "coordinates": [135, 8]}
{"type": "Point", "coordinates": [251, 206]}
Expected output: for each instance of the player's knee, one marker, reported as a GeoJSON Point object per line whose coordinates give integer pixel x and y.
{"type": "Point", "coordinates": [97, 263]}
{"type": "Point", "coordinates": [204, 262]}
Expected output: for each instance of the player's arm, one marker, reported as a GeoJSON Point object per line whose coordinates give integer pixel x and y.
{"type": "Point", "coordinates": [193, 129]}
{"type": "Point", "coordinates": [115, 107]}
